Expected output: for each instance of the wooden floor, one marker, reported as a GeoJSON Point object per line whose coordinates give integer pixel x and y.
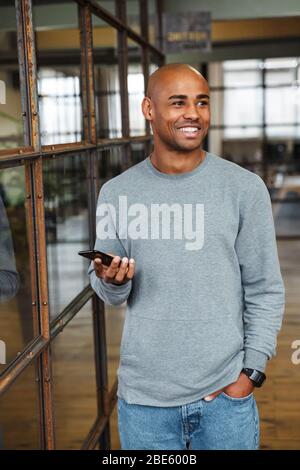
{"type": "Point", "coordinates": [74, 377]}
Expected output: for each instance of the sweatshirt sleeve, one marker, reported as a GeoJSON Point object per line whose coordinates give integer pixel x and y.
{"type": "Point", "coordinates": [107, 240]}
{"type": "Point", "coordinates": [264, 293]}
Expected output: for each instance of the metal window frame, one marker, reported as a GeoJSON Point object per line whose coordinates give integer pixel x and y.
{"type": "Point", "coordinates": [31, 157]}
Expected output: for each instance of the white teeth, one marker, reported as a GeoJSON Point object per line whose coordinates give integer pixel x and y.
{"type": "Point", "coordinates": [188, 129]}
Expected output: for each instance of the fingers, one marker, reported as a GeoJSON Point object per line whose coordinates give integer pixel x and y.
{"type": "Point", "coordinates": [115, 273]}
{"type": "Point", "coordinates": [112, 270]}
{"type": "Point", "coordinates": [131, 269]}
{"type": "Point", "coordinates": [98, 267]}
{"type": "Point", "coordinates": [126, 270]}
{"type": "Point", "coordinates": [212, 396]}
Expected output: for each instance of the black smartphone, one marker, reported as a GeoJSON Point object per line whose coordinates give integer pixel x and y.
{"type": "Point", "coordinates": [92, 254]}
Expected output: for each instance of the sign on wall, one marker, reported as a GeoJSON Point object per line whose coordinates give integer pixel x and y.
{"type": "Point", "coordinates": [186, 32]}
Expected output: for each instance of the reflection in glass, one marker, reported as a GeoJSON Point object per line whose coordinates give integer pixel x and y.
{"type": "Point", "coordinates": [152, 20]}
{"type": "Point", "coordinates": [74, 381]}
{"type": "Point", "coordinates": [111, 162]}
{"type": "Point", "coordinates": [133, 15]}
{"type": "Point", "coordinates": [138, 152]}
{"type": "Point", "coordinates": [11, 121]}
{"type": "Point", "coordinates": [16, 321]}
{"type": "Point", "coordinates": [19, 428]}
{"type": "Point", "coordinates": [250, 113]}
{"type": "Point", "coordinates": [66, 215]}
{"type": "Point", "coordinates": [136, 85]}
{"type": "Point", "coordinates": [107, 84]}
{"type": "Point", "coordinates": [58, 62]}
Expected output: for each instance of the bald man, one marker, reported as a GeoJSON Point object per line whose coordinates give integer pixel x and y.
{"type": "Point", "coordinates": [201, 277]}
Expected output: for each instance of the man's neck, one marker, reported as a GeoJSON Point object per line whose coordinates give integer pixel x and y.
{"type": "Point", "coordinates": [174, 163]}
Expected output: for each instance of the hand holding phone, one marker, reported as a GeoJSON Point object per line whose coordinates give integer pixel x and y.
{"type": "Point", "coordinates": [119, 272]}
{"type": "Point", "coordinates": [109, 267]}
{"type": "Point", "coordinates": [92, 254]}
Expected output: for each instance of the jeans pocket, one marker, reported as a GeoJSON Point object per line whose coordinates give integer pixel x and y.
{"type": "Point", "coordinates": [235, 399]}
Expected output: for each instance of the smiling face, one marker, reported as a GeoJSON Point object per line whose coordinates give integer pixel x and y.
{"type": "Point", "coordinates": [178, 109]}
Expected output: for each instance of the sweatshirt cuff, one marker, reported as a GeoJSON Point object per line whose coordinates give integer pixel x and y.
{"type": "Point", "coordinates": [116, 288]}
{"type": "Point", "coordinates": [255, 360]}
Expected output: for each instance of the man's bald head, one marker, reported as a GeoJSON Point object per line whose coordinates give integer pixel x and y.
{"type": "Point", "coordinates": [177, 95]}
{"type": "Point", "coordinates": [167, 72]}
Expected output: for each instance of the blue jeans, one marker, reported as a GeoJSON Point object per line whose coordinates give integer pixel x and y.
{"type": "Point", "coordinates": [223, 423]}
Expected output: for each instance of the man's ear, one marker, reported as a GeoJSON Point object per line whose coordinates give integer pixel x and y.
{"type": "Point", "coordinates": [147, 108]}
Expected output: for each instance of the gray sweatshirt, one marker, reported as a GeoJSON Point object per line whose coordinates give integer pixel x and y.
{"type": "Point", "coordinates": [207, 297]}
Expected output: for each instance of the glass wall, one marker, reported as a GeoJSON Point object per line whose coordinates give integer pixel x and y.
{"type": "Point", "coordinates": [75, 398]}
{"type": "Point", "coordinates": [59, 344]}
{"type": "Point", "coordinates": [135, 89]}
{"type": "Point", "coordinates": [107, 80]}
{"type": "Point", "coordinates": [58, 68]}
{"type": "Point", "coordinates": [17, 327]}
{"type": "Point", "coordinates": [256, 123]}
{"type": "Point", "coordinates": [66, 218]}
{"type": "Point", "coordinates": [19, 424]}
{"type": "Point", "coordinates": [11, 120]}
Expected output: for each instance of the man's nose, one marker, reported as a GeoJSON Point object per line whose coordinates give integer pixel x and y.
{"type": "Point", "coordinates": [191, 112]}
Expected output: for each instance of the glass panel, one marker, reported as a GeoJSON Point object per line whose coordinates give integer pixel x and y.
{"type": "Point", "coordinates": [234, 78]}
{"type": "Point", "coordinates": [108, 5]}
{"type": "Point", "coordinates": [66, 212]}
{"type": "Point", "coordinates": [242, 64]}
{"type": "Point", "coordinates": [248, 156]}
{"type": "Point", "coordinates": [19, 425]}
{"type": "Point", "coordinates": [58, 62]}
{"type": "Point", "coordinates": [111, 162]}
{"type": "Point", "coordinates": [283, 131]}
{"type": "Point", "coordinates": [135, 90]}
{"type": "Point", "coordinates": [280, 77]}
{"type": "Point", "coordinates": [74, 381]}
{"type": "Point", "coordinates": [139, 152]}
{"type": "Point", "coordinates": [11, 121]}
{"type": "Point", "coordinates": [280, 63]}
{"type": "Point", "coordinates": [243, 107]}
{"type": "Point", "coordinates": [242, 132]}
{"type": "Point", "coordinates": [107, 83]}
{"type": "Point", "coordinates": [16, 320]}
{"type": "Point", "coordinates": [133, 15]}
{"type": "Point", "coordinates": [281, 106]}
{"type": "Point", "coordinates": [152, 20]}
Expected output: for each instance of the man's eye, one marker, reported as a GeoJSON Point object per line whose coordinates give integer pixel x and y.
{"type": "Point", "coordinates": [202, 103]}
{"type": "Point", "coordinates": [178, 102]}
